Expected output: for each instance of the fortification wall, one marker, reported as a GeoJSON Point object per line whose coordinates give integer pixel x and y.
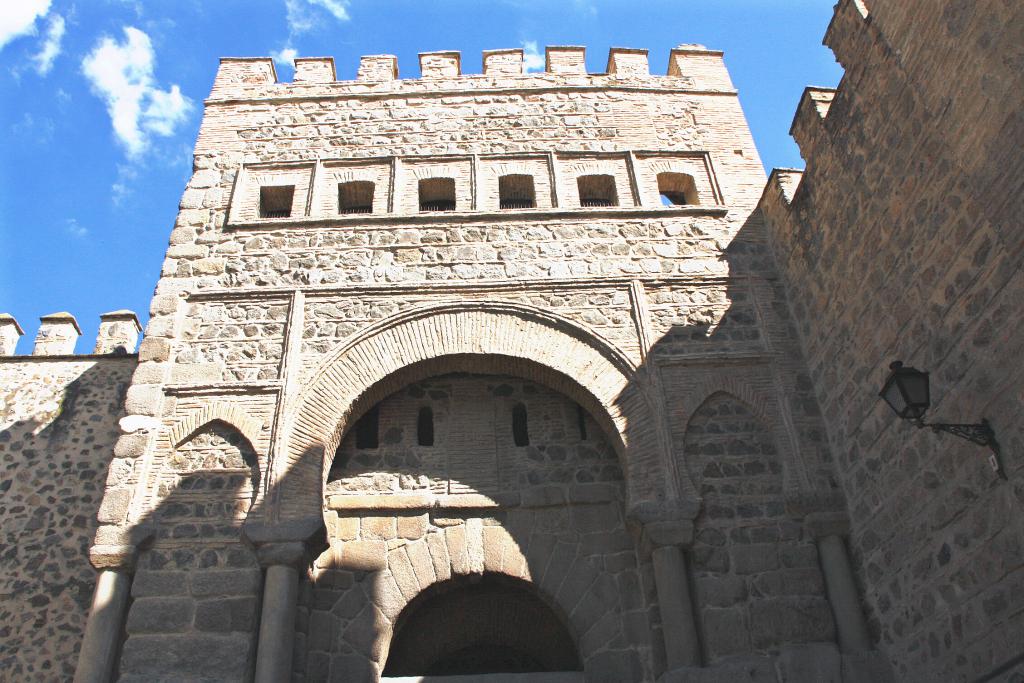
{"type": "Point", "coordinates": [58, 424]}
{"type": "Point", "coordinates": [902, 240]}
{"type": "Point", "coordinates": [59, 416]}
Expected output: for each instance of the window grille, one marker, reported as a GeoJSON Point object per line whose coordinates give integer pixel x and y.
{"type": "Point", "coordinates": [437, 194]}
{"type": "Point", "coordinates": [597, 191]}
{"type": "Point", "coordinates": [516, 192]}
{"type": "Point", "coordinates": [355, 197]}
{"type": "Point", "coordinates": [276, 201]}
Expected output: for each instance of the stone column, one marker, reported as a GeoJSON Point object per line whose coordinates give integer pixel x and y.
{"type": "Point", "coordinates": [277, 618]}
{"type": "Point", "coordinates": [828, 530]}
{"type": "Point", "coordinates": [672, 581]}
{"type": "Point", "coordinates": [101, 643]}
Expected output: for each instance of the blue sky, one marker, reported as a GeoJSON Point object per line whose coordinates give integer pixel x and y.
{"type": "Point", "coordinates": [100, 102]}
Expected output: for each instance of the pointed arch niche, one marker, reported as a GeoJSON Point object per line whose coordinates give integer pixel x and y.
{"type": "Point", "coordinates": [749, 556]}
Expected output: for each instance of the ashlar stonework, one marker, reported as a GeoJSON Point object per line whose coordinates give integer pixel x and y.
{"type": "Point", "coordinates": [532, 377]}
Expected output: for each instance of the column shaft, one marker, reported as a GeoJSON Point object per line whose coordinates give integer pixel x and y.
{"type": "Point", "coordinates": [842, 595]}
{"type": "Point", "coordinates": [277, 624]}
{"type": "Point", "coordinates": [102, 639]}
{"type": "Point", "coordinates": [682, 647]}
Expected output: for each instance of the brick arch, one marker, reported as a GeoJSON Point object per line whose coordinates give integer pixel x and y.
{"type": "Point", "coordinates": [795, 479]}
{"type": "Point", "coordinates": [223, 411]}
{"type": "Point", "coordinates": [483, 336]}
{"type": "Point", "coordinates": [511, 168]}
{"type": "Point", "coordinates": [428, 172]}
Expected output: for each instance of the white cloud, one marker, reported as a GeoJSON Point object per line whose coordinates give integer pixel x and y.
{"type": "Point", "coordinates": [285, 56]}
{"type": "Point", "coordinates": [122, 74]}
{"type": "Point", "coordinates": [18, 18]}
{"type": "Point", "coordinates": [303, 15]}
{"type": "Point", "coordinates": [73, 228]}
{"type": "Point", "coordinates": [51, 45]}
{"type": "Point", "coordinates": [533, 60]}
{"type": "Point", "coordinates": [122, 187]}
{"type": "Point", "coordinates": [585, 7]}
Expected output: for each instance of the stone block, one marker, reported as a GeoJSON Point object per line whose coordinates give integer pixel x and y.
{"type": "Point", "coordinates": [439, 556]}
{"type": "Point", "coordinates": [222, 582]}
{"type": "Point", "coordinates": [775, 621]}
{"type": "Point", "coordinates": [422, 565]}
{"type": "Point", "coordinates": [143, 399]}
{"type": "Point", "coordinates": [114, 507]}
{"type": "Point", "coordinates": [350, 667]}
{"type": "Point", "coordinates": [227, 614]}
{"type": "Point", "coordinates": [809, 663]}
{"type": "Point", "coordinates": [749, 669]}
{"type": "Point", "coordinates": [614, 666]}
{"type": "Point", "coordinates": [364, 556]}
{"type": "Point", "coordinates": [754, 558]}
{"type": "Point", "coordinates": [412, 527]}
{"type": "Point", "coordinates": [149, 583]}
{"type": "Point", "coordinates": [160, 615]}
{"type": "Point", "coordinates": [458, 551]}
{"type": "Point", "coordinates": [377, 528]}
{"type": "Point", "coordinates": [401, 569]}
{"type": "Point", "coordinates": [204, 656]}
{"type": "Point", "coordinates": [721, 591]}
{"type": "Point", "coordinates": [152, 349]}
{"type": "Point", "coordinates": [725, 632]}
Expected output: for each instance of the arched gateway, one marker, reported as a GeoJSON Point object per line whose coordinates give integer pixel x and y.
{"type": "Point", "coordinates": [490, 337]}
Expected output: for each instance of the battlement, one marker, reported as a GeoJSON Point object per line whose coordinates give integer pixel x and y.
{"type": "Point", "coordinates": [689, 66]}
{"type": "Point", "coordinates": [59, 332]}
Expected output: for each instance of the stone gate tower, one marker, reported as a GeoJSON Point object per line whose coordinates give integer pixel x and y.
{"type": "Point", "coordinates": [471, 374]}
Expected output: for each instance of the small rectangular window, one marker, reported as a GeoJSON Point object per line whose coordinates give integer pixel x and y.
{"type": "Point", "coordinates": [437, 194]}
{"type": "Point", "coordinates": [597, 190]}
{"type": "Point", "coordinates": [367, 429]}
{"type": "Point", "coordinates": [355, 197]}
{"type": "Point", "coordinates": [520, 426]}
{"type": "Point", "coordinates": [425, 427]}
{"type": "Point", "coordinates": [516, 192]}
{"type": "Point", "coordinates": [677, 189]}
{"type": "Point", "coordinates": [276, 201]}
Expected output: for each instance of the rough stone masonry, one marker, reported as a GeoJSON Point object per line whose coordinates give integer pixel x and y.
{"type": "Point", "coordinates": [530, 377]}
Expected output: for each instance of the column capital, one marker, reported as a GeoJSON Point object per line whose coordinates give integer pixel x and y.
{"type": "Point", "coordinates": [114, 557]}
{"type": "Point", "coordinates": [117, 547]}
{"type": "Point", "coordinates": [669, 533]}
{"type": "Point", "coordinates": [290, 553]}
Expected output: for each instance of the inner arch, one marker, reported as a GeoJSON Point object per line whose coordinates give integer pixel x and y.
{"type": "Point", "coordinates": [480, 625]}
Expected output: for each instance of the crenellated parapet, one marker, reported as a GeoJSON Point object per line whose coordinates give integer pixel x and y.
{"type": "Point", "coordinates": [691, 67]}
{"type": "Point", "coordinates": [808, 127]}
{"type": "Point", "coordinates": [59, 332]}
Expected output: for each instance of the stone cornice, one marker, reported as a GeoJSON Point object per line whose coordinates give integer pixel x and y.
{"type": "Point", "coordinates": [427, 91]}
{"type": "Point", "coordinates": [391, 289]}
{"type": "Point", "coordinates": [462, 217]}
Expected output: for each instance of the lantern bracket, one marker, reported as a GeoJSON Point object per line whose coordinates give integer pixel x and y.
{"type": "Point", "coordinates": [980, 433]}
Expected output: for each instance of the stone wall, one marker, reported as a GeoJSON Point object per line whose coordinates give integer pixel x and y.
{"type": "Point", "coordinates": [902, 240]}
{"type": "Point", "coordinates": [58, 423]}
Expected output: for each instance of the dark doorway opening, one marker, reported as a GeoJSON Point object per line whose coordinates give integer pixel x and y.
{"type": "Point", "coordinates": [481, 624]}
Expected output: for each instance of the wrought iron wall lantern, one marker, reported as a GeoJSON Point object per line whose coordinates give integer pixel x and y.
{"type": "Point", "coordinates": [907, 393]}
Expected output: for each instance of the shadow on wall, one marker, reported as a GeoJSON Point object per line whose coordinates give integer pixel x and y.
{"type": "Point", "coordinates": [196, 591]}
{"type": "Point", "coordinates": [745, 432]}
{"type": "Point", "coordinates": [53, 466]}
